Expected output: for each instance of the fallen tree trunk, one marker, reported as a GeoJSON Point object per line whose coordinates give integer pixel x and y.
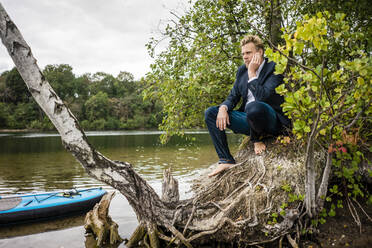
{"type": "Point", "coordinates": [249, 203]}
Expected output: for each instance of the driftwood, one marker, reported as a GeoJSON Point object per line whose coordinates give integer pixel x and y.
{"type": "Point", "coordinates": [170, 191]}
{"type": "Point", "coordinates": [98, 222]}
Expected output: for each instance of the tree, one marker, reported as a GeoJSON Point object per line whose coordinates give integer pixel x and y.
{"type": "Point", "coordinates": [16, 88]}
{"type": "Point", "coordinates": [97, 107]}
{"type": "Point", "coordinates": [62, 79]}
{"type": "Point", "coordinates": [198, 66]}
{"type": "Point", "coordinates": [328, 97]}
{"type": "Point", "coordinates": [233, 207]}
{"type": "Point", "coordinates": [4, 115]}
{"type": "Point", "coordinates": [325, 56]}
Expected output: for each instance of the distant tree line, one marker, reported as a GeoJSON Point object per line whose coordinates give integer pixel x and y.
{"type": "Point", "coordinates": [100, 101]}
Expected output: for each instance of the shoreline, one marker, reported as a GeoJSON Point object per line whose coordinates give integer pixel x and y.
{"type": "Point", "coordinates": [19, 130]}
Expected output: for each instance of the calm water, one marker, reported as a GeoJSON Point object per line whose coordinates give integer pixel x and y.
{"type": "Point", "coordinates": [32, 162]}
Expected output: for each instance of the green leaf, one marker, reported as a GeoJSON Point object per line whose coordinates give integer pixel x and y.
{"type": "Point", "coordinates": [322, 221]}
{"type": "Point", "coordinates": [360, 81]}
{"type": "Point", "coordinates": [332, 213]}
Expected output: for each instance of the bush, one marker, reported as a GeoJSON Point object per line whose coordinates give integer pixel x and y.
{"type": "Point", "coordinates": [112, 124]}
{"type": "Point", "coordinates": [98, 124]}
{"type": "Point", "coordinates": [85, 124]}
{"type": "Point", "coordinates": [5, 110]}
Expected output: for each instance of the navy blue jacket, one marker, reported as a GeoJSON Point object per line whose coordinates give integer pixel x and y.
{"type": "Point", "coordinates": [262, 88]}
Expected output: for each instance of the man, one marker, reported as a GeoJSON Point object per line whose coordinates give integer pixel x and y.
{"type": "Point", "coordinates": [260, 113]}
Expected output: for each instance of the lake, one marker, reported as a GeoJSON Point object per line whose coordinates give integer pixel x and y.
{"type": "Point", "coordinates": [32, 162]}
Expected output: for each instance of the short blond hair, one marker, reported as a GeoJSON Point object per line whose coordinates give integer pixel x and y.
{"type": "Point", "coordinates": [254, 39]}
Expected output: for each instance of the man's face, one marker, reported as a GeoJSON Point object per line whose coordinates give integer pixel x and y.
{"type": "Point", "coordinates": [248, 51]}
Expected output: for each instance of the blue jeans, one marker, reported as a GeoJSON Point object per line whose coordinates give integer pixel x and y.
{"type": "Point", "coordinates": [259, 118]}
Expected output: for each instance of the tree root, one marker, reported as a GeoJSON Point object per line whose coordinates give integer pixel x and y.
{"type": "Point", "coordinates": [137, 236]}
{"type": "Point", "coordinates": [292, 241]}
{"type": "Point", "coordinates": [170, 191]}
{"type": "Point", "coordinates": [354, 213]}
{"type": "Point", "coordinates": [152, 232]}
{"type": "Point", "coordinates": [98, 222]}
{"type": "Point", "coordinates": [148, 234]}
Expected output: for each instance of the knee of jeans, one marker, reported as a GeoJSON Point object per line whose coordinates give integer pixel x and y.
{"type": "Point", "coordinates": [253, 110]}
{"type": "Point", "coordinates": [210, 112]}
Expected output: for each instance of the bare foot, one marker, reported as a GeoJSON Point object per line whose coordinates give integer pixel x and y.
{"type": "Point", "coordinates": [220, 168]}
{"type": "Point", "coordinates": [259, 147]}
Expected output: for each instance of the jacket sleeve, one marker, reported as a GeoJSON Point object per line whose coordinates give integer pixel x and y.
{"type": "Point", "coordinates": [266, 89]}
{"type": "Point", "coordinates": [234, 96]}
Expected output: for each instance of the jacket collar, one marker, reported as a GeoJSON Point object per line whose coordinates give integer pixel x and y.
{"type": "Point", "coordinates": [266, 70]}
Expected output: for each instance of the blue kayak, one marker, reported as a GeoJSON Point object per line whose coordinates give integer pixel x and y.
{"type": "Point", "coordinates": [35, 207]}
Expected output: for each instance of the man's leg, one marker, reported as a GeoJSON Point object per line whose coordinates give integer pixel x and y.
{"type": "Point", "coordinates": [238, 123]}
{"type": "Point", "coordinates": [218, 137]}
{"type": "Point", "coordinates": [263, 120]}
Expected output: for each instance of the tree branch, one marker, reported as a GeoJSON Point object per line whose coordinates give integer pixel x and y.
{"type": "Point", "coordinates": [289, 58]}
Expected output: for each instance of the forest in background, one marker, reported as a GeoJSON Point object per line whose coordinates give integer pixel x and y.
{"type": "Point", "coordinates": [99, 101]}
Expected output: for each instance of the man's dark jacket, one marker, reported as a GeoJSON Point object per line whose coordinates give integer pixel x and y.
{"type": "Point", "coordinates": [262, 88]}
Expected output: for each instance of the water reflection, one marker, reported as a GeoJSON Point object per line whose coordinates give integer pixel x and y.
{"type": "Point", "coordinates": [37, 162]}
{"type": "Point", "coordinates": [45, 226]}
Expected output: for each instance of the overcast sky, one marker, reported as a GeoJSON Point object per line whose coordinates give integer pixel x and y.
{"type": "Point", "coordinates": [89, 35]}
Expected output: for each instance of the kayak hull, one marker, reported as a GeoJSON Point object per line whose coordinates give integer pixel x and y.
{"type": "Point", "coordinates": [43, 206]}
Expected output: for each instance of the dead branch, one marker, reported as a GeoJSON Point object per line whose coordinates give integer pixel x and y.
{"type": "Point", "coordinates": [98, 222]}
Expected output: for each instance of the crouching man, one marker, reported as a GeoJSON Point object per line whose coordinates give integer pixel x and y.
{"type": "Point", "coordinates": [260, 113]}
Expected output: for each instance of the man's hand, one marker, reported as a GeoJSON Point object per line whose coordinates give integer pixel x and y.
{"type": "Point", "coordinates": [222, 118]}
{"type": "Point", "coordinates": [254, 65]}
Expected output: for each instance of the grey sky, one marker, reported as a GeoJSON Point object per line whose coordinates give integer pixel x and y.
{"type": "Point", "coordinates": [89, 35]}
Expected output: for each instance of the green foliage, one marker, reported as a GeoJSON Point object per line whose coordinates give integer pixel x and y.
{"type": "Point", "coordinates": [23, 114]}
{"type": "Point", "coordinates": [61, 78]}
{"type": "Point", "coordinates": [324, 54]}
{"type": "Point", "coordinates": [16, 90]}
{"type": "Point", "coordinates": [44, 124]}
{"type": "Point", "coordinates": [328, 94]}
{"type": "Point", "coordinates": [294, 197]}
{"type": "Point", "coordinates": [347, 168]}
{"type": "Point", "coordinates": [274, 218]}
{"type": "Point", "coordinates": [315, 91]}
{"type": "Point", "coordinates": [97, 107]}
{"type": "Point", "coordinates": [286, 187]}
{"type": "Point", "coordinates": [198, 67]}
{"type": "Point", "coordinates": [100, 101]}
{"type": "Point", "coordinates": [5, 113]}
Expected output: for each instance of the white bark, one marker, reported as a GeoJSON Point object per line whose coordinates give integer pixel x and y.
{"type": "Point", "coordinates": [310, 180]}
{"type": "Point", "coordinates": [323, 188]}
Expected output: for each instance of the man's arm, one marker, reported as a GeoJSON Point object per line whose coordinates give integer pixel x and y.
{"type": "Point", "coordinates": [234, 96]}
{"type": "Point", "coordinates": [264, 91]}
{"type": "Point", "coordinates": [232, 99]}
